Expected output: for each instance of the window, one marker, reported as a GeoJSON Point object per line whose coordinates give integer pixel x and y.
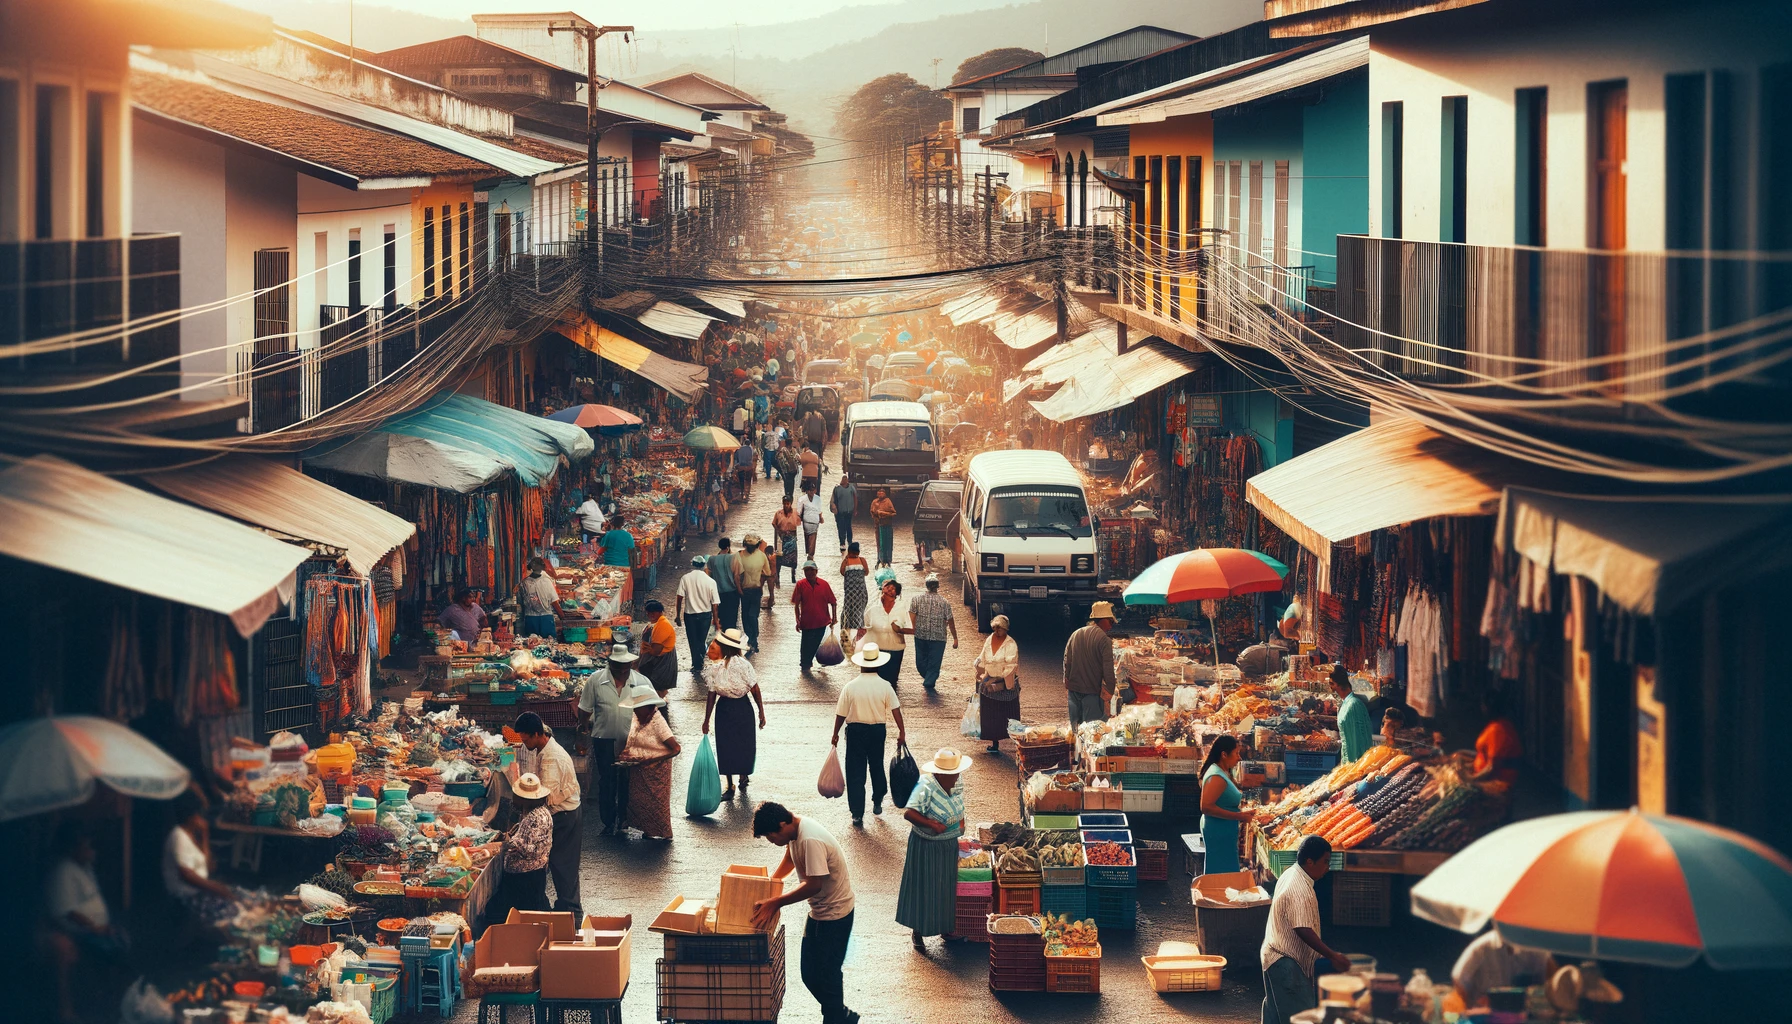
{"type": "Point", "coordinates": [1037, 512]}
{"type": "Point", "coordinates": [1608, 106]}
{"type": "Point", "coordinates": [1529, 178]}
{"type": "Point", "coordinates": [1256, 212]}
{"type": "Point", "coordinates": [1393, 158]}
{"type": "Point", "coordinates": [390, 260]}
{"type": "Point", "coordinates": [320, 272]}
{"type": "Point", "coordinates": [51, 168]}
{"type": "Point", "coordinates": [12, 144]}
{"type": "Point", "coordinates": [501, 231]}
{"type": "Point", "coordinates": [973, 120]}
{"type": "Point", "coordinates": [99, 122]}
{"type": "Point", "coordinates": [940, 495]}
{"type": "Point", "coordinates": [1452, 223]}
{"type": "Point", "coordinates": [273, 310]}
{"type": "Point", "coordinates": [466, 246]}
{"type": "Point", "coordinates": [447, 250]}
{"type": "Point", "coordinates": [1279, 231]}
{"type": "Point", "coordinates": [1234, 200]}
{"type": "Point", "coordinates": [354, 268]}
{"type": "Point", "coordinates": [429, 253]}
{"type": "Point", "coordinates": [892, 437]}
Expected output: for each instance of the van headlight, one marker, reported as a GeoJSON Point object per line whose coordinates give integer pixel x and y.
{"type": "Point", "coordinates": [993, 563]}
{"type": "Point", "coordinates": [1082, 563]}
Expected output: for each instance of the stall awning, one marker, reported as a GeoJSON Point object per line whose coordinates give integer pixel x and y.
{"type": "Point", "coordinates": [675, 321]}
{"type": "Point", "coordinates": [73, 519]}
{"type": "Point", "coordinates": [458, 443]}
{"type": "Point", "coordinates": [685, 380]}
{"type": "Point", "coordinates": [265, 493]}
{"type": "Point", "coordinates": [1648, 555]}
{"type": "Point", "coordinates": [1058, 364]}
{"type": "Point", "coordinates": [973, 306]}
{"type": "Point", "coordinates": [1034, 326]}
{"type": "Point", "coordinates": [1278, 77]}
{"type": "Point", "coordinates": [1098, 381]}
{"type": "Point", "coordinates": [1397, 471]}
{"type": "Point", "coordinates": [727, 302]}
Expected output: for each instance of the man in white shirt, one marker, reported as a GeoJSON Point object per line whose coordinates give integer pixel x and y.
{"type": "Point", "coordinates": [808, 509]}
{"type": "Point", "coordinates": [557, 774]}
{"type": "Point", "coordinates": [1491, 962]}
{"type": "Point", "coordinates": [741, 417]}
{"type": "Point", "coordinates": [864, 705]}
{"type": "Point", "coordinates": [697, 599]}
{"type": "Point", "coordinates": [1291, 942]}
{"type": "Point", "coordinates": [820, 865]}
{"type": "Point", "coordinates": [76, 914]}
{"type": "Point", "coordinates": [591, 518]}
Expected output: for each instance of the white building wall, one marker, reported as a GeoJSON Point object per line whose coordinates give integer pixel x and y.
{"type": "Point", "coordinates": [181, 188]}
{"type": "Point", "coordinates": [1418, 65]}
{"type": "Point", "coordinates": [333, 211]}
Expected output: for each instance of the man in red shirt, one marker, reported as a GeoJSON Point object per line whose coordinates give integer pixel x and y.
{"type": "Point", "coordinates": [815, 611]}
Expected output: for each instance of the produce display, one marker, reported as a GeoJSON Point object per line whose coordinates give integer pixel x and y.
{"type": "Point", "coordinates": [1014, 925]}
{"type": "Point", "coordinates": [973, 858]}
{"type": "Point", "coordinates": [1109, 854]}
{"type": "Point", "coordinates": [1070, 932]}
{"type": "Point", "coordinates": [1386, 800]}
{"type": "Point", "coordinates": [1017, 859]}
{"type": "Point", "coordinates": [1066, 855]}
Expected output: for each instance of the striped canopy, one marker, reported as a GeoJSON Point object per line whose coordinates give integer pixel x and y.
{"type": "Point", "coordinates": [710, 438]}
{"type": "Point", "coordinates": [1206, 573]}
{"type": "Point", "coordinates": [607, 419]}
{"type": "Point", "coordinates": [1621, 885]}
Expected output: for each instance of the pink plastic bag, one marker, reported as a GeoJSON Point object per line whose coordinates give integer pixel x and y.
{"type": "Point", "coordinates": [833, 781]}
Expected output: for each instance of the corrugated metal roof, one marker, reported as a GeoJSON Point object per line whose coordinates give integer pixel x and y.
{"type": "Point", "coordinates": [677, 321]}
{"type": "Point", "coordinates": [1096, 381]}
{"type": "Point", "coordinates": [1279, 76]}
{"type": "Point", "coordinates": [265, 493]}
{"type": "Point", "coordinates": [73, 519]}
{"type": "Point", "coordinates": [684, 380]}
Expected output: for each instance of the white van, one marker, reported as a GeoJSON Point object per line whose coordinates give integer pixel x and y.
{"type": "Point", "coordinates": [890, 444]}
{"type": "Point", "coordinates": [1026, 534]}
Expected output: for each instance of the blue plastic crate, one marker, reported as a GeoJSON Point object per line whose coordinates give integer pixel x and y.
{"type": "Point", "coordinates": [1102, 819]}
{"type": "Point", "coordinates": [1113, 907]}
{"type": "Point", "coordinates": [1071, 900]}
{"type": "Point", "coordinates": [1126, 876]}
{"type": "Point", "coordinates": [1123, 836]}
{"type": "Point", "coordinates": [1320, 761]}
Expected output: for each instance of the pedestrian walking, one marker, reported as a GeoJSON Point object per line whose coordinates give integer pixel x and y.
{"type": "Point", "coordinates": [1089, 666]}
{"type": "Point", "coordinates": [552, 765]}
{"type": "Point", "coordinates": [932, 618]}
{"type": "Point", "coordinates": [731, 683]}
{"type": "Point", "coordinates": [1291, 942]}
{"type": "Point", "coordinates": [540, 600]}
{"type": "Point", "coordinates": [820, 865]}
{"type": "Point", "coordinates": [816, 610]}
{"type": "Point", "coordinates": [723, 569]}
{"type": "Point", "coordinates": [998, 684]}
{"type": "Point", "coordinates": [753, 568]}
{"type": "Point", "coordinates": [815, 429]}
{"type": "Point", "coordinates": [843, 502]}
{"type": "Point", "coordinates": [786, 525]}
{"type": "Point", "coordinates": [927, 903]}
{"type": "Point", "coordinates": [790, 466]}
{"type": "Point", "coordinates": [864, 706]}
{"type": "Point", "coordinates": [601, 714]}
{"type": "Point", "coordinates": [697, 599]}
{"type": "Point", "coordinates": [887, 623]}
{"type": "Point", "coordinates": [808, 509]}
{"type": "Point", "coordinates": [883, 516]}
{"type": "Point", "coordinates": [648, 757]}
{"type": "Point", "coordinates": [524, 885]}
{"type": "Point", "coordinates": [810, 460]}
{"type": "Point", "coordinates": [768, 450]}
{"type": "Point", "coordinates": [743, 461]}
{"type": "Point", "coordinates": [853, 571]}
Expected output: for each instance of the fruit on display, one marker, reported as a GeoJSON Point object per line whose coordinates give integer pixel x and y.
{"type": "Point", "coordinates": [973, 859]}
{"type": "Point", "coordinates": [1071, 932]}
{"type": "Point", "coordinates": [1109, 854]}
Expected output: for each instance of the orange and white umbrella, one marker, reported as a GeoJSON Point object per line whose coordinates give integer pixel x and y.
{"type": "Point", "coordinates": [1621, 885]}
{"type": "Point", "coordinates": [50, 763]}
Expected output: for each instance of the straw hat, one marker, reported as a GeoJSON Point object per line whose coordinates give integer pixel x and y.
{"type": "Point", "coordinates": [622, 656]}
{"type": "Point", "coordinates": [869, 656]}
{"type": "Point", "coordinates": [1101, 610]}
{"type": "Point", "coordinates": [998, 620]}
{"type": "Point", "coordinates": [732, 638]}
{"type": "Point", "coordinates": [640, 699]}
{"type": "Point", "coordinates": [528, 787]}
{"type": "Point", "coordinates": [751, 539]}
{"type": "Point", "coordinates": [947, 761]}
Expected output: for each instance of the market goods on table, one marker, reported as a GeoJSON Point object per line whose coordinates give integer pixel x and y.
{"type": "Point", "coordinates": [1387, 800]}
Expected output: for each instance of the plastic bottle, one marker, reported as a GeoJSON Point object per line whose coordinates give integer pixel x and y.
{"type": "Point", "coordinates": [1418, 992]}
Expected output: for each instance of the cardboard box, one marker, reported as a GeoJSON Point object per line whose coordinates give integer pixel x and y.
{"type": "Point", "coordinates": [1210, 890]}
{"type": "Point", "coordinates": [511, 953]}
{"type": "Point", "coordinates": [573, 970]}
{"type": "Point", "coordinates": [682, 916]}
{"type": "Point", "coordinates": [742, 887]}
{"type": "Point", "coordinates": [562, 926]}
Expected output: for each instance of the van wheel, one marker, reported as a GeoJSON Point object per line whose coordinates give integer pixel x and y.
{"type": "Point", "coordinates": [969, 595]}
{"type": "Point", "coordinates": [985, 611]}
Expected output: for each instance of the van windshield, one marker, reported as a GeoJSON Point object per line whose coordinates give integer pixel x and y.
{"type": "Point", "coordinates": [901, 437]}
{"type": "Point", "coordinates": [1037, 512]}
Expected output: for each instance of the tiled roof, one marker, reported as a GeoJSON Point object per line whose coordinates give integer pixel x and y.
{"type": "Point", "coordinates": [353, 149]}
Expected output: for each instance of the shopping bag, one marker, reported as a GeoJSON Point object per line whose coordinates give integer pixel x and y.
{"type": "Point", "coordinates": [972, 723]}
{"type": "Point", "coordinates": [905, 775]}
{"type": "Point", "coordinates": [833, 781]}
{"type": "Point", "coordinates": [704, 794]}
{"type": "Point", "coordinates": [830, 651]}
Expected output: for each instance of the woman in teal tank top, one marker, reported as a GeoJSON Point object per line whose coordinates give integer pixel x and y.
{"type": "Point", "coordinates": [1220, 816]}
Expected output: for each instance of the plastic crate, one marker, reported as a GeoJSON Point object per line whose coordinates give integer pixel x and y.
{"type": "Point", "coordinates": [1045, 821]}
{"type": "Point", "coordinates": [1056, 877]}
{"type": "Point", "coordinates": [1360, 899]}
{"type": "Point", "coordinates": [1154, 860]}
{"type": "Point", "coordinates": [385, 1000]}
{"type": "Point", "coordinates": [1140, 780]}
{"type": "Point", "coordinates": [1123, 836]}
{"type": "Point", "coordinates": [1110, 875]}
{"type": "Point", "coordinates": [983, 889]}
{"type": "Point", "coordinates": [1017, 899]}
{"type": "Point", "coordinates": [1142, 801]}
{"type": "Point", "coordinates": [1182, 795]}
{"type": "Point", "coordinates": [1073, 973]}
{"type": "Point", "coordinates": [972, 920]}
{"type": "Point", "coordinates": [757, 948]}
{"type": "Point", "coordinates": [1070, 901]}
{"type": "Point", "coordinates": [720, 992]}
{"type": "Point", "coordinates": [1113, 907]}
{"type": "Point", "coordinates": [1101, 819]}
{"type": "Point", "coordinates": [1197, 973]}
{"type": "Point", "coordinates": [1321, 761]}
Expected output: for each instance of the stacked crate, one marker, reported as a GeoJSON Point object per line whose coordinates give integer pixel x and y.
{"type": "Point", "coordinates": [1113, 889]}
{"type": "Point", "coordinates": [722, 977]}
{"type": "Point", "coordinates": [975, 896]}
{"type": "Point", "coordinates": [1016, 961]}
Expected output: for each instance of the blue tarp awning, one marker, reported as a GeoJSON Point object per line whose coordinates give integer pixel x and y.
{"type": "Point", "coordinates": [470, 443]}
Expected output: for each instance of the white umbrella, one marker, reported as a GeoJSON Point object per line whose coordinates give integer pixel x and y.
{"type": "Point", "coordinates": [50, 763]}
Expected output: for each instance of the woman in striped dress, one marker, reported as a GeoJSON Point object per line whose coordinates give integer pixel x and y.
{"type": "Point", "coordinates": [928, 902]}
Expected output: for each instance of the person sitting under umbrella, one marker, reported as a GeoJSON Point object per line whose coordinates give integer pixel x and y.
{"type": "Point", "coordinates": [78, 924]}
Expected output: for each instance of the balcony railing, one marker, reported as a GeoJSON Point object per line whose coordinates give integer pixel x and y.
{"type": "Point", "coordinates": [53, 289]}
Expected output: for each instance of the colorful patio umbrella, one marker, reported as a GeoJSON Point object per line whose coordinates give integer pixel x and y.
{"type": "Point", "coordinates": [710, 439]}
{"type": "Point", "coordinates": [1207, 575]}
{"type": "Point", "coordinates": [47, 764]}
{"type": "Point", "coordinates": [605, 419]}
{"type": "Point", "coordinates": [1621, 885]}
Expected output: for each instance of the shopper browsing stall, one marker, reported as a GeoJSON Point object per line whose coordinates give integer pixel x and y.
{"type": "Point", "coordinates": [553, 766]}
{"type": "Point", "coordinates": [659, 649]}
{"type": "Point", "coordinates": [600, 709]}
{"type": "Point", "coordinates": [540, 600]}
{"type": "Point", "coordinates": [526, 848]}
{"type": "Point", "coordinates": [998, 683]}
{"type": "Point", "coordinates": [1089, 666]}
{"type": "Point", "coordinates": [648, 756]}
{"type": "Point", "coordinates": [1291, 942]}
{"type": "Point", "coordinates": [1220, 797]}
{"type": "Point", "coordinates": [927, 903]}
{"type": "Point", "coordinates": [731, 682]}
{"type": "Point", "coordinates": [1356, 730]}
{"type": "Point", "coordinates": [815, 855]}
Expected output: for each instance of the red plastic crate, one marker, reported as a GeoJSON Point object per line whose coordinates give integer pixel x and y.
{"type": "Point", "coordinates": [1018, 900]}
{"type": "Point", "coordinates": [1073, 974]}
{"type": "Point", "coordinates": [1154, 860]}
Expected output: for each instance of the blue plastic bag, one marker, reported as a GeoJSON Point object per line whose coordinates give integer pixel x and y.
{"type": "Point", "coordinates": [704, 794]}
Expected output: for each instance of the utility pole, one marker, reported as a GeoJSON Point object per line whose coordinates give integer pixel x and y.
{"type": "Point", "coordinates": [989, 203]}
{"type": "Point", "coordinates": [591, 34]}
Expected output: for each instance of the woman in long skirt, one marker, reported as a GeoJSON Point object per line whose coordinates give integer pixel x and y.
{"type": "Point", "coordinates": [733, 693]}
{"type": "Point", "coordinates": [998, 683]}
{"type": "Point", "coordinates": [648, 757]}
{"type": "Point", "coordinates": [526, 846]}
{"type": "Point", "coordinates": [928, 902]}
{"type": "Point", "coordinates": [853, 570]}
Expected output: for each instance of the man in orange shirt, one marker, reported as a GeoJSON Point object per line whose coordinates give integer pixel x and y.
{"type": "Point", "coordinates": [1498, 750]}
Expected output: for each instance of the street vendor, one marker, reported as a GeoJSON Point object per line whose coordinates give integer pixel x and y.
{"type": "Point", "coordinates": [600, 712]}
{"type": "Point", "coordinates": [927, 902]}
{"type": "Point", "coordinates": [659, 649]}
{"type": "Point", "coordinates": [1291, 943]}
{"type": "Point", "coordinates": [78, 924]}
{"type": "Point", "coordinates": [1491, 962]}
{"type": "Point", "coordinates": [551, 763]}
{"type": "Point", "coordinates": [1356, 731]}
{"type": "Point", "coordinates": [1089, 666]}
{"type": "Point", "coordinates": [1498, 750]}
{"type": "Point", "coordinates": [820, 865]}
{"type": "Point", "coordinates": [619, 546]}
{"type": "Point", "coordinates": [591, 517]}
{"type": "Point", "coordinates": [540, 599]}
{"type": "Point", "coordinates": [464, 617]}
{"type": "Point", "coordinates": [187, 864]}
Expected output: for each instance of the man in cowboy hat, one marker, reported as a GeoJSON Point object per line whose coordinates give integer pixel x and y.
{"type": "Point", "coordinates": [816, 610]}
{"type": "Point", "coordinates": [864, 705]}
{"type": "Point", "coordinates": [1089, 666]}
{"type": "Point", "coordinates": [601, 712]}
{"type": "Point", "coordinates": [553, 765]}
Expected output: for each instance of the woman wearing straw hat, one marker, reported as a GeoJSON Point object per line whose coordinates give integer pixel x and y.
{"type": "Point", "coordinates": [648, 757]}
{"type": "Point", "coordinates": [928, 902]}
{"type": "Point", "coordinates": [731, 682]}
{"type": "Point", "coordinates": [524, 885]}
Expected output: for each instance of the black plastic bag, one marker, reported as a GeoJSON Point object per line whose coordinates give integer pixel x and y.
{"type": "Point", "coordinates": [905, 775]}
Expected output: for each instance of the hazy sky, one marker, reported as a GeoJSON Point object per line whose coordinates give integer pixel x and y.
{"type": "Point", "coordinates": [647, 14]}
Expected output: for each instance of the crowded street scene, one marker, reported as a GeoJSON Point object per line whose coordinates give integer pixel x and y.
{"type": "Point", "coordinates": [741, 512]}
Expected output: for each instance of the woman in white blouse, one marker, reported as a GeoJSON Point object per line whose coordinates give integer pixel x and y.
{"type": "Point", "coordinates": [998, 682]}
{"type": "Point", "coordinates": [886, 625]}
{"type": "Point", "coordinates": [733, 694]}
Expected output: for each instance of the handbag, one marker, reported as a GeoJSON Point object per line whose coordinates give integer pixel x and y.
{"type": "Point", "coordinates": [905, 775]}
{"type": "Point", "coordinates": [704, 793]}
{"type": "Point", "coordinates": [833, 781]}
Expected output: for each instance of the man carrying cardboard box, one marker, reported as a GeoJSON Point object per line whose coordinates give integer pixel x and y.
{"type": "Point", "coordinates": [820, 866]}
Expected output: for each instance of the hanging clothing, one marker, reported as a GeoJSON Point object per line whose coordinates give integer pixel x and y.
{"type": "Point", "coordinates": [1421, 630]}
